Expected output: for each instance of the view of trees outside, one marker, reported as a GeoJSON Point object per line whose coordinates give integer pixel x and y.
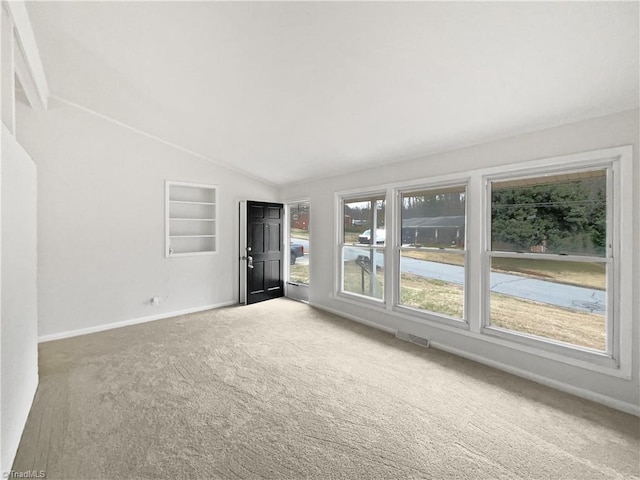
{"type": "Point", "coordinates": [545, 297]}
{"type": "Point", "coordinates": [438, 203]}
{"type": "Point", "coordinates": [556, 299]}
{"type": "Point", "coordinates": [566, 216]}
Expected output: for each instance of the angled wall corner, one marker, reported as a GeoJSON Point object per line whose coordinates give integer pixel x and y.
{"type": "Point", "coordinates": [19, 312]}
{"type": "Point", "coordinates": [18, 257]}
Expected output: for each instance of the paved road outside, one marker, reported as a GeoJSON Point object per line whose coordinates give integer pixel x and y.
{"type": "Point", "coordinates": [581, 299]}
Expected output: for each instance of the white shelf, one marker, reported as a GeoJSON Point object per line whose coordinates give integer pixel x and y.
{"type": "Point", "coordinates": [190, 219]}
{"type": "Point", "coordinates": [185, 202]}
{"type": "Point", "coordinates": [190, 254]}
{"type": "Point", "coordinates": [191, 236]}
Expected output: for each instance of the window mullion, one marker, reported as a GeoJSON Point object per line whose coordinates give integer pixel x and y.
{"type": "Point", "coordinates": [550, 256]}
{"type": "Point", "coordinates": [390, 264]}
{"type": "Point", "coordinates": [476, 261]}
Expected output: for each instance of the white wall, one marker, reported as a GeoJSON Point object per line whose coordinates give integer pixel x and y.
{"type": "Point", "coordinates": [101, 223]}
{"type": "Point", "coordinates": [610, 131]}
{"type": "Point", "coordinates": [19, 293]}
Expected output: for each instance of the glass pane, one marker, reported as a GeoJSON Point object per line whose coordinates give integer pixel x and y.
{"type": "Point", "coordinates": [363, 271]}
{"type": "Point", "coordinates": [557, 214]}
{"type": "Point", "coordinates": [434, 218]}
{"type": "Point", "coordinates": [433, 281]}
{"type": "Point", "coordinates": [359, 216]}
{"type": "Point", "coordinates": [564, 301]}
{"type": "Point", "coordinates": [299, 234]}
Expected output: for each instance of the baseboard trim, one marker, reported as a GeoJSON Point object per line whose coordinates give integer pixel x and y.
{"type": "Point", "coordinates": [356, 319]}
{"type": "Point", "coordinates": [577, 391]}
{"type": "Point", "coordinates": [14, 443]}
{"type": "Point", "coordinates": [133, 321]}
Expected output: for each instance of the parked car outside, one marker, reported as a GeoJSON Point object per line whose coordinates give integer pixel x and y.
{"type": "Point", "coordinates": [365, 237]}
{"type": "Point", "coordinates": [297, 250]}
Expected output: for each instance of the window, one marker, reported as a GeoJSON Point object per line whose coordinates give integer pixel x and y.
{"type": "Point", "coordinates": [362, 245]}
{"type": "Point", "coordinates": [190, 223]}
{"type": "Point", "coordinates": [299, 216]}
{"type": "Point", "coordinates": [535, 256]}
{"type": "Point", "coordinates": [432, 251]}
{"type": "Point", "coordinates": [550, 258]}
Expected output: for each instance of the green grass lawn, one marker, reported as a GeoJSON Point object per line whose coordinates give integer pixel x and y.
{"type": "Point", "coordinates": [535, 318]}
{"type": "Point", "coordinates": [300, 233]}
{"type": "Point", "coordinates": [355, 282]}
{"type": "Point", "coordinates": [433, 295]}
{"type": "Point", "coordinates": [299, 274]}
{"type": "Point", "coordinates": [521, 315]}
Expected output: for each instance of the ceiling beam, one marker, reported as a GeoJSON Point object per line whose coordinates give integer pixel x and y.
{"type": "Point", "coordinates": [28, 65]}
{"type": "Point", "coordinates": [7, 81]}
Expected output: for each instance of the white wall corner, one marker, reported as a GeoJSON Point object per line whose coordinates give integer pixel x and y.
{"type": "Point", "coordinates": [28, 65]}
{"type": "Point", "coordinates": [19, 317]}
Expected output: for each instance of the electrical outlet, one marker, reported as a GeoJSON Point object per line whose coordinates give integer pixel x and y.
{"type": "Point", "coordinates": [155, 301]}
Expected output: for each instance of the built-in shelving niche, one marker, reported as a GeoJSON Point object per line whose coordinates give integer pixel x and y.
{"type": "Point", "coordinates": [191, 215]}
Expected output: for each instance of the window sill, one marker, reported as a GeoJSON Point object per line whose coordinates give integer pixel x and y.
{"type": "Point", "coordinates": [431, 317]}
{"type": "Point", "coordinates": [554, 347]}
{"type": "Point", "coordinates": [357, 299]}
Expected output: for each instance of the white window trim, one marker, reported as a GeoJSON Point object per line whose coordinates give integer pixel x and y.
{"type": "Point", "coordinates": [294, 290]}
{"type": "Point", "coordinates": [614, 161]}
{"type": "Point", "coordinates": [397, 249]}
{"type": "Point", "coordinates": [287, 240]}
{"type": "Point", "coordinates": [621, 159]}
{"type": "Point", "coordinates": [341, 199]}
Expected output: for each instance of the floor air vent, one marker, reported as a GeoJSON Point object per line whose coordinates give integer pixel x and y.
{"type": "Point", "coordinates": [407, 337]}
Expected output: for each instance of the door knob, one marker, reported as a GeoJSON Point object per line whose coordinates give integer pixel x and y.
{"type": "Point", "coordinates": [249, 262]}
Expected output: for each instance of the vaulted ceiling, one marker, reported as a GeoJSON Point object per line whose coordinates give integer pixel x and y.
{"type": "Point", "coordinates": [293, 91]}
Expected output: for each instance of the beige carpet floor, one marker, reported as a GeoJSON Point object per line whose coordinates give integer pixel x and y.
{"type": "Point", "coordinates": [281, 390]}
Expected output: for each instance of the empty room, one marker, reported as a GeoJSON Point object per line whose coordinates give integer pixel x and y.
{"type": "Point", "coordinates": [320, 240]}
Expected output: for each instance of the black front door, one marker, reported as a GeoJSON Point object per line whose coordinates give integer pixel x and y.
{"type": "Point", "coordinates": [264, 251]}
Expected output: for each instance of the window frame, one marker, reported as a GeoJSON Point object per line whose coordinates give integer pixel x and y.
{"type": "Point", "coordinates": [398, 249]}
{"type": "Point", "coordinates": [368, 195]}
{"type": "Point", "coordinates": [611, 356]}
{"type": "Point", "coordinates": [621, 158]}
{"type": "Point", "coordinates": [288, 239]}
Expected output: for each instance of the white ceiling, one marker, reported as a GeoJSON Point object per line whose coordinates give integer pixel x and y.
{"type": "Point", "coordinates": [294, 91]}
